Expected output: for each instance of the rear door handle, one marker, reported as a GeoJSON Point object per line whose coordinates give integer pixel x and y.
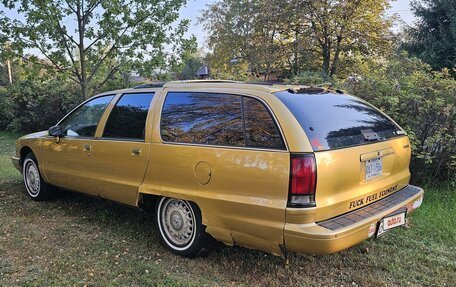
{"type": "Point", "coordinates": [86, 147]}
{"type": "Point", "coordinates": [135, 151]}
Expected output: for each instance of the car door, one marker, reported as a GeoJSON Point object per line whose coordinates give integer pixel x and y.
{"type": "Point", "coordinates": [120, 155]}
{"type": "Point", "coordinates": [67, 161]}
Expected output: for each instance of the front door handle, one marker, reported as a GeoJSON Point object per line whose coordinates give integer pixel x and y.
{"type": "Point", "coordinates": [86, 147]}
{"type": "Point", "coordinates": [135, 151]}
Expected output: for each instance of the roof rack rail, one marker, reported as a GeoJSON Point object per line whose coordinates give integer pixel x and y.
{"type": "Point", "coordinates": [265, 83]}
{"type": "Point", "coordinates": [150, 85]}
{"type": "Point", "coordinates": [200, 81]}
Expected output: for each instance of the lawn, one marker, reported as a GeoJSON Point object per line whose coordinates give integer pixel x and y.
{"type": "Point", "coordinates": [81, 241]}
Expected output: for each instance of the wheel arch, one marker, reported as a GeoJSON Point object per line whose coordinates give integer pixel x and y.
{"type": "Point", "coordinates": [25, 150]}
{"type": "Point", "coordinates": [213, 224]}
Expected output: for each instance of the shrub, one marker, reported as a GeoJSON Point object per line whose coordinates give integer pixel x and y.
{"type": "Point", "coordinates": [32, 105]}
{"type": "Point", "coordinates": [310, 78]}
{"type": "Point", "coordinates": [421, 101]}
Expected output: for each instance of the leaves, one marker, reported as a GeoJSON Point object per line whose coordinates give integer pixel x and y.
{"type": "Point", "coordinates": [423, 102]}
{"type": "Point", "coordinates": [272, 35]}
{"type": "Point", "coordinates": [85, 39]}
{"type": "Point", "coordinates": [432, 38]}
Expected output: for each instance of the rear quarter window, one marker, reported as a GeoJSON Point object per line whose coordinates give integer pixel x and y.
{"type": "Point", "coordinates": [202, 118]}
{"type": "Point", "coordinates": [218, 119]}
{"type": "Point", "coordinates": [334, 121]}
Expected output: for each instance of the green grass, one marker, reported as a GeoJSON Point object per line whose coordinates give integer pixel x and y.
{"type": "Point", "coordinates": [7, 148]}
{"type": "Point", "coordinates": [76, 240]}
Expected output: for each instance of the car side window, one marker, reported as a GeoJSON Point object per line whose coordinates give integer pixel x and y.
{"type": "Point", "coordinates": [83, 121]}
{"type": "Point", "coordinates": [202, 118]}
{"type": "Point", "coordinates": [261, 129]}
{"type": "Point", "coordinates": [128, 117]}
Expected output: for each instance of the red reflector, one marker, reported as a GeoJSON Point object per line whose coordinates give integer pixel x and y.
{"type": "Point", "coordinates": [303, 175]}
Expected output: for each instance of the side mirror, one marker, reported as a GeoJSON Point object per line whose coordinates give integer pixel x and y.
{"type": "Point", "coordinates": [56, 131]}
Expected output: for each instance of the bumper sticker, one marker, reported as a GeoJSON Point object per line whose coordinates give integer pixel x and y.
{"type": "Point", "coordinates": [371, 230]}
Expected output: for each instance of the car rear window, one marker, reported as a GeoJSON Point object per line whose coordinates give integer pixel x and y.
{"type": "Point", "coordinates": [334, 121]}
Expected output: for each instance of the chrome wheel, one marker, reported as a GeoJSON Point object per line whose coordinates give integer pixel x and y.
{"type": "Point", "coordinates": [177, 224]}
{"type": "Point", "coordinates": [32, 178]}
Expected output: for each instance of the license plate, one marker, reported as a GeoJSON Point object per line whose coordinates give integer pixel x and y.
{"type": "Point", "coordinates": [390, 222]}
{"type": "Point", "coordinates": [374, 168]}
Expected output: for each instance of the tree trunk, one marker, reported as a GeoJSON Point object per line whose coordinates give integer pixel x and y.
{"type": "Point", "coordinates": [296, 55]}
{"type": "Point", "coordinates": [326, 59]}
{"type": "Point", "coordinates": [81, 48]}
{"type": "Point", "coordinates": [335, 62]}
{"type": "Point", "coordinates": [10, 74]}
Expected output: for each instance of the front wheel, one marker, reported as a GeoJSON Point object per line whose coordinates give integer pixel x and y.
{"type": "Point", "coordinates": [180, 227]}
{"type": "Point", "coordinates": [36, 188]}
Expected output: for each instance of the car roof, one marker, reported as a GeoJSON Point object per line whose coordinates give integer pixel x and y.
{"type": "Point", "coordinates": [264, 87]}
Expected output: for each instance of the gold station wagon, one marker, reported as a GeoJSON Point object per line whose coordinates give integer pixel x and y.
{"type": "Point", "coordinates": [271, 167]}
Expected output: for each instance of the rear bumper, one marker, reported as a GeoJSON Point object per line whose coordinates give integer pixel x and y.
{"type": "Point", "coordinates": [349, 229]}
{"type": "Point", "coordinates": [16, 162]}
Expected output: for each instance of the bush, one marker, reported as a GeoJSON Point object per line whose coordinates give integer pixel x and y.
{"type": "Point", "coordinates": [310, 78]}
{"type": "Point", "coordinates": [32, 105]}
{"type": "Point", "coordinates": [421, 101]}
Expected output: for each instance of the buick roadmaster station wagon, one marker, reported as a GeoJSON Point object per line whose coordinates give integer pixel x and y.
{"type": "Point", "coordinates": [272, 167]}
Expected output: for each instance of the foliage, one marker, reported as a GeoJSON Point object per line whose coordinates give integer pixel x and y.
{"type": "Point", "coordinates": [310, 78]}
{"type": "Point", "coordinates": [244, 33]}
{"type": "Point", "coordinates": [38, 97]}
{"type": "Point", "coordinates": [270, 35]}
{"type": "Point", "coordinates": [432, 38]}
{"type": "Point", "coordinates": [421, 101]}
{"type": "Point", "coordinates": [31, 105]}
{"type": "Point", "coordinates": [189, 61]}
{"type": "Point", "coordinates": [223, 68]}
{"type": "Point", "coordinates": [108, 36]}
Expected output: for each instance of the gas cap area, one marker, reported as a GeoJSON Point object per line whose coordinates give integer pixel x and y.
{"type": "Point", "coordinates": [203, 172]}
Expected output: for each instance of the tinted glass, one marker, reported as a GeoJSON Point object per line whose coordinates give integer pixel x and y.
{"type": "Point", "coordinates": [128, 117]}
{"type": "Point", "coordinates": [261, 130]}
{"type": "Point", "coordinates": [336, 121]}
{"type": "Point", "coordinates": [202, 118]}
{"type": "Point", "coordinates": [83, 121]}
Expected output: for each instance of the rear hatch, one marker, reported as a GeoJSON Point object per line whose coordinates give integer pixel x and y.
{"type": "Point", "coordinates": [361, 154]}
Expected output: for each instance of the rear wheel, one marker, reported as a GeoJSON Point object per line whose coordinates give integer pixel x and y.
{"type": "Point", "coordinates": [35, 186]}
{"type": "Point", "coordinates": [180, 227]}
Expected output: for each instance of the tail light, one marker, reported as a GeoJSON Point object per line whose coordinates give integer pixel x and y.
{"type": "Point", "coordinates": [303, 181]}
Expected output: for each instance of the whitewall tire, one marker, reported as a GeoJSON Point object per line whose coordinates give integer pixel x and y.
{"type": "Point", "coordinates": [35, 187]}
{"type": "Point", "coordinates": [179, 224]}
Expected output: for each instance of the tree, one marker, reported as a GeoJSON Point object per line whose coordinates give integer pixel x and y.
{"type": "Point", "coordinates": [297, 34]}
{"type": "Point", "coordinates": [188, 60]}
{"type": "Point", "coordinates": [190, 65]}
{"type": "Point", "coordinates": [244, 32]}
{"type": "Point", "coordinates": [432, 38]}
{"type": "Point", "coordinates": [94, 39]}
{"type": "Point", "coordinates": [347, 26]}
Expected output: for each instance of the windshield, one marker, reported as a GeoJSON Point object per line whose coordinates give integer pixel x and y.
{"type": "Point", "coordinates": [333, 120]}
